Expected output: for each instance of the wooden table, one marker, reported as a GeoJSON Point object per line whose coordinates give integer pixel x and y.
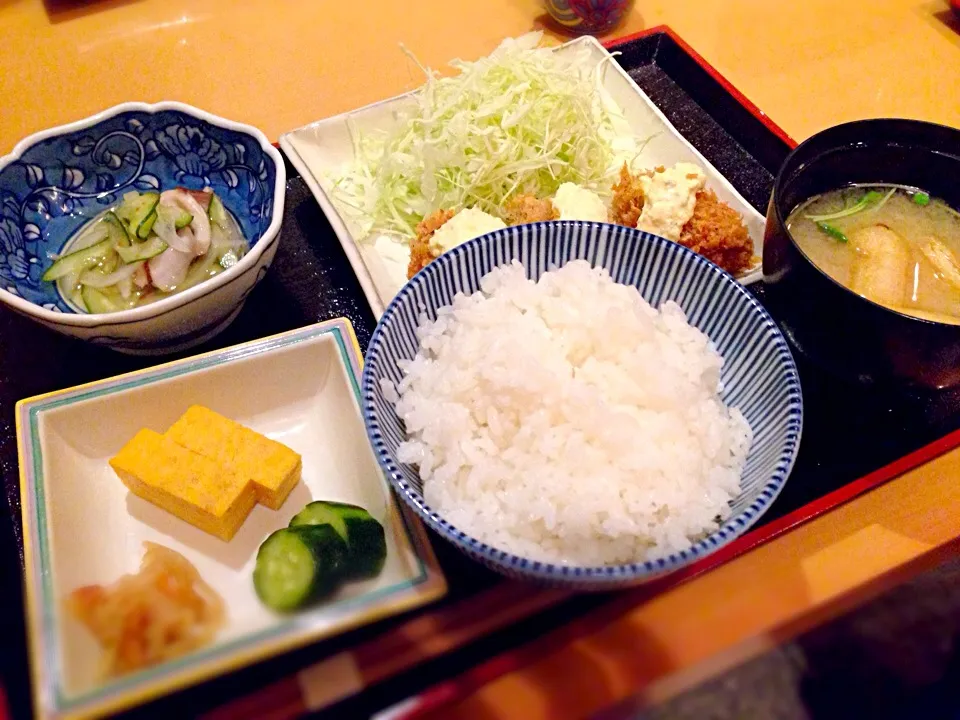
{"type": "Point", "coordinates": [807, 64]}
{"type": "Point", "coordinates": [279, 65]}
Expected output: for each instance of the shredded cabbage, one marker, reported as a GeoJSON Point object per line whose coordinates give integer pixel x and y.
{"type": "Point", "coordinates": [525, 119]}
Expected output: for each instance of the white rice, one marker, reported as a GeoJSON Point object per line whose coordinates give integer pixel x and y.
{"type": "Point", "coordinates": [569, 421]}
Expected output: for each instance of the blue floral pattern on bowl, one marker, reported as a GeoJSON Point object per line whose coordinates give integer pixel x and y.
{"type": "Point", "coordinates": [59, 184]}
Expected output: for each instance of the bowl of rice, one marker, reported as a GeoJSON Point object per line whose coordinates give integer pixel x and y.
{"type": "Point", "coordinates": [581, 404]}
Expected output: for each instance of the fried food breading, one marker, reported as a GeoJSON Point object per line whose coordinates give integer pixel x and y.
{"type": "Point", "coordinates": [421, 251]}
{"type": "Point", "coordinates": [717, 232]}
{"type": "Point", "coordinates": [627, 203]}
{"type": "Point", "coordinates": [524, 208]}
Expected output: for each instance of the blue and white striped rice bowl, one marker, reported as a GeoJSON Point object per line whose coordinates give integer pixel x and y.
{"type": "Point", "coordinates": [759, 375]}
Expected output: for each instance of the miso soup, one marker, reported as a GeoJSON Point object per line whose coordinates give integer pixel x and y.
{"type": "Point", "coordinates": [896, 246]}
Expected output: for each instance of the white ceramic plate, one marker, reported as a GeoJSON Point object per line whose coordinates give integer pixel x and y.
{"type": "Point", "coordinates": [82, 526]}
{"type": "Point", "coordinates": [320, 149]}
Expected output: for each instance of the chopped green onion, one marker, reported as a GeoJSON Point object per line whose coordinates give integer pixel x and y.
{"type": "Point", "coordinates": [883, 200]}
{"type": "Point", "coordinates": [873, 196]}
{"type": "Point", "coordinates": [832, 231]}
{"type": "Point", "coordinates": [921, 198]}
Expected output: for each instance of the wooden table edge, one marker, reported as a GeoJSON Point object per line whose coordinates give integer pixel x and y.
{"type": "Point", "coordinates": [784, 578]}
{"type": "Point", "coordinates": [780, 589]}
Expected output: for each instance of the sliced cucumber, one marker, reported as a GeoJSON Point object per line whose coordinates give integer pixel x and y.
{"type": "Point", "coordinates": [143, 231]}
{"type": "Point", "coordinates": [128, 206]}
{"type": "Point", "coordinates": [116, 230]}
{"type": "Point", "coordinates": [97, 301]}
{"type": "Point", "coordinates": [175, 216]}
{"type": "Point", "coordinates": [296, 565]}
{"type": "Point", "coordinates": [142, 251]}
{"type": "Point", "coordinates": [182, 219]}
{"type": "Point", "coordinates": [136, 210]}
{"type": "Point", "coordinates": [363, 534]}
{"type": "Point", "coordinates": [77, 262]}
{"type": "Point", "coordinates": [136, 206]}
{"type": "Point", "coordinates": [217, 212]}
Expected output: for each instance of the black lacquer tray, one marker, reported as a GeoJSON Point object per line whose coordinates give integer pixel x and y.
{"type": "Point", "coordinates": [849, 432]}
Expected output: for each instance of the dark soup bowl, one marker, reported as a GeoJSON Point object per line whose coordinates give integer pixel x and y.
{"type": "Point", "coordinates": [837, 329]}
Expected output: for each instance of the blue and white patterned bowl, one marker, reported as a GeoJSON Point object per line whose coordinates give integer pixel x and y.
{"type": "Point", "coordinates": [759, 375]}
{"type": "Point", "coordinates": [54, 182]}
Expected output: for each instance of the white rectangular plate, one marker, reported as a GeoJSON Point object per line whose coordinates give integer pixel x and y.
{"type": "Point", "coordinates": [319, 150]}
{"type": "Point", "coordinates": [82, 526]}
